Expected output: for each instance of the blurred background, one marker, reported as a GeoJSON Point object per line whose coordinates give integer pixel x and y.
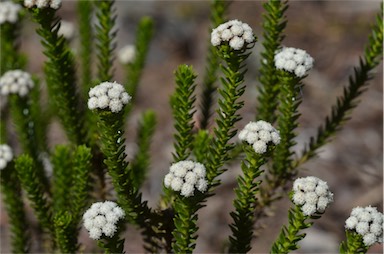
{"type": "Point", "coordinates": [332, 32]}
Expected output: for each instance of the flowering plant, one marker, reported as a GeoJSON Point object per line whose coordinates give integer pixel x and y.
{"type": "Point", "coordinates": [95, 181]}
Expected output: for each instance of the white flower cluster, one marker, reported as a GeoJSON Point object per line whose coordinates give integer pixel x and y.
{"type": "Point", "coordinates": [367, 222]}
{"type": "Point", "coordinates": [6, 155]}
{"type": "Point", "coordinates": [237, 33]}
{"type": "Point", "coordinates": [260, 134]}
{"type": "Point", "coordinates": [293, 60]}
{"type": "Point", "coordinates": [67, 29]}
{"type": "Point", "coordinates": [16, 82]}
{"type": "Point", "coordinates": [312, 194]}
{"type": "Point", "coordinates": [108, 95]}
{"type": "Point", "coordinates": [127, 54]}
{"type": "Point", "coordinates": [54, 4]}
{"type": "Point", "coordinates": [9, 12]}
{"type": "Point", "coordinates": [102, 218]}
{"type": "Point", "coordinates": [185, 176]}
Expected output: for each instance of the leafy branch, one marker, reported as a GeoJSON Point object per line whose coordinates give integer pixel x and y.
{"type": "Point", "coordinates": [105, 38]}
{"type": "Point", "coordinates": [358, 83]}
{"type": "Point", "coordinates": [219, 8]}
{"type": "Point", "coordinates": [274, 24]}
{"type": "Point", "coordinates": [243, 216]}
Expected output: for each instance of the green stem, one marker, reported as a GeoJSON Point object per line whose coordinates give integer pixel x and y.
{"type": "Point", "coordinates": [129, 197]}
{"type": "Point", "coordinates": [85, 10]}
{"type": "Point", "coordinates": [353, 244]}
{"type": "Point", "coordinates": [25, 125]}
{"type": "Point", "coordinates": [219, 9]}
{"type": "Point", "coordinates": [243, 216]}
{"type": "Point", "coordinates": [105, 36]}
{"type": "Point", "coordinates": [185, 222]}
{"type": "Point", "coordinates": [60, 74]}
{"type": "Point", "coordinates": [12, 197]}
{"type": "Point", "coordinates": [289, 98]}
{"type": "Point", "coordinates": [358, 83]}
{"type": "Point", "coordinates": [30, 182]}
{"type": "Point", "coordinates": [274, 24]}
{"type": "Point", "coordinates": [144, 35]}
{"type": "Point", "coordinates": [9, 43]}
{"type": "Point", "coordinates": [227, 114]}
{"type": "Point", "coordinates": [289, 236]}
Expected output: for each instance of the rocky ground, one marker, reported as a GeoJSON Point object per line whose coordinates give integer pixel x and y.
{"type": "Point", "coordinates": [333, 32]}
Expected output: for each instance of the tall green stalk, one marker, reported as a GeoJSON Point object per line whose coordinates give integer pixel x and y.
{"type": "Point", "coordinates": [243, 216]}
{"type": "Point", "coordinates": [105, 38]}
{"type": "Point", "coordinates": [85, 11]}
{"type": "Point", "coordinates": [358, 83]}
{"type": "Point", "coordinates": [14, 206]}
{"type": "Point", "coordinates": [274, 23]}
{"type": "Point", "coordinates": [60, 75]}
{"type": "Point", "coordinates": [219, 9]}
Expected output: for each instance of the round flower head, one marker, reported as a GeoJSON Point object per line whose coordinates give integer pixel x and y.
{"type": "Point", "coordinates": [67, 29]}
{"type": "Point", "coordinates": [101, 218]}
{"type": "Point", "coordinates": [234, 33]}
{"type": "Point", "coordinates": [311, 194]}
{"type": "Point", "coordinates": [293, 60]}
{"type": "Point", "coordinates": [16, 82]}
{"type": "Point", "coordinates": [41, 4]}
{"type": "Point", "coordinates": [9, 12]}
{"type": "Point", "coordinates": [108, 95]}
{"type": "Point", "coordinates": [6, 155]}
{"type": "Point", "coordinates": [260, 135]}
{"type": "Point", "coordinates": [367, 222]}
{"type": "Point", "coordinates": [186, 176]}
{"type": "Point", "coordinates": [127, 54]}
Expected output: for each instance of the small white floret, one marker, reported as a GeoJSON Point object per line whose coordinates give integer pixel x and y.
{"type": "Point", "coordinates": [95, 233]}
{"type": "Point", "coordinates": [236, 43]}
{"type": "Point", "coordinates": [296, 61]}
{"type": "Point", "coordinates": [102, 218]}
{"type": "Point", "coordinates": [316, 195]}
{"type": "Point", "coordinates": [109, 229]}
{"type": "Point", "coordinates": [185, 176]}
{"type": "Point", "coordinates": [168, 179]}
{"type": "Point", "coordinates": [127, 54]}
{"type": "Point", "coordinates": [351, 222]}
{"type": "Point", "coordinates": [187, 190]}
{"type": "Point", "coordinates": [202, 185]}
{"type": "Point", "coordinates": [260, 147]}
{"type": "Point", "coordinates": [16, 82]}
{"type": "Point", "coordinates": [260, 134]}
{"type": "Point", "coordinates": [67, 29]}
{"type": "Point", "coordinates": [234, 33]}
{"type": "Point", "coordinates": [362, 227]}
{"type": "Point", "coordinates": [6, 155]}
{"type": "Point", "coordinates": [108, 95]}
{"type": "Point", "coordinates": [9, 12]}
{"type": "Point", "coordinates": [308, 209]}
{"type": "Point", "coordinates": [177, 184]}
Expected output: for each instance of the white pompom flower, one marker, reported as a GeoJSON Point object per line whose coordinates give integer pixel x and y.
{"type": "Point", "coordinates": [6, 155]}
{"type": "Point", "coordinates": [102, 218]}
{"type": "Point", "coordinates": [296, 61]}
{"type": "Point", "coordinates": [127, 54]}
{"type": "Point", "coordinates": [311, 194]}
{"type": "Point", "coordinates": [41, 4]}
{"type": "Point", "coordinates": [234, 33]}
{"type": "Point", "coordinates": [9, 12]}
{"type": "Point", "coordinates": [109, 96]}
{"type": "Point", "coordinates": [367, 222]}
{"type": "Point", "coordinates": [260, 135]}
{"type": "Point", "coordinates": [16, 82]}
{"type": "Point", "coordinates": [67, 29]}
{"type": "Point", "coordinates": [186, 176]}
